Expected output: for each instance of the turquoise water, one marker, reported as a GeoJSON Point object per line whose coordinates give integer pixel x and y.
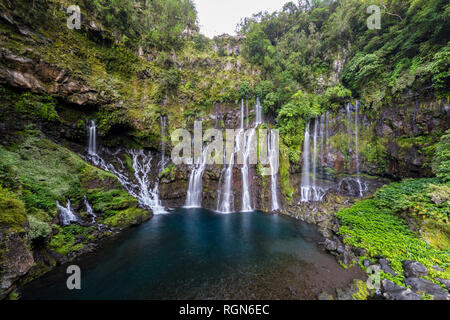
{"type": "Point", "coordinates": [198, 254]}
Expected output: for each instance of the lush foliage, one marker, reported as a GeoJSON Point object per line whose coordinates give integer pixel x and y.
{"type": "Point", "coordinates": [322, 48]}
{"type": "Point", "coordinates": [441, 161]}
{"type": "Point", "coordinates": [381, 233]}
{"type": "Point", "coordinates": [378, 225]}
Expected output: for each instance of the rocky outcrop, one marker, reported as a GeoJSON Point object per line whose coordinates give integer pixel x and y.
{"type": "Point", "coordinates": [395, 292]}
{"type": "Point", "coordinates": [16, 259]}
{"type": "Point", "coordinates": [414, 269]}
{"type": "Point", "coordinates": [422, 285]}
{"type": "Point", "coordinates": [37, 75]}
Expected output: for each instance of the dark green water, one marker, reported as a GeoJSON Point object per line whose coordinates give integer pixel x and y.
{"type": "Point", "coordinates": [198, 254]}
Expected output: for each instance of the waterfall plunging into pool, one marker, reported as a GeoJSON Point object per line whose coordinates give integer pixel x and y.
{"type": "Point", "coordinates": [225, 199]}
{"type": "Point", "coordinates": [195, 189]}
{"type": "Point", "coordinates": [309, 190]}
{"type": "Point", "coordinates": [358, 179]}
{"type": "Point", "coordinates": [273, 143]}
{"type": "Point", "coordinates": [92, 146]}
{"type": "Point", "coordinates": [147, 196]}
{"type": "Point", "coordinates": [314, 157]}
{"type": "Point", "coordinates": [248, 144]}
{"type": "Point", "coordinates": [66, 214]}
{"type": "Point", "coordinates": [305, 188]}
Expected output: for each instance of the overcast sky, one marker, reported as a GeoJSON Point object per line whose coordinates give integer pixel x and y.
{"type": "Point", "coordinates": [221, 16]}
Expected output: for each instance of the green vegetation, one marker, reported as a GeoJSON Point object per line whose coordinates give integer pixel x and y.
{"type": "Point", "coordinates": [12, 212]}
{"type": "Point", "coordinates": [68, 239]}
{"type": "Point", "coordinates": [305, 48]}
{"type": "Point", "coordinates": [37, 173]}
{"type": "Point", "coordinates": [378, 225]}
{"type": "Point", "coordinates": [441, 161]}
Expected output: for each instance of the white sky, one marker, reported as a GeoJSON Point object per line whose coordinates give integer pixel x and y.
{"type": "Point", "coordinates": [221, 16]}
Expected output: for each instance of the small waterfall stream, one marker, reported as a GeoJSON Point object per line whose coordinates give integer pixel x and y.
{"type": "Point", "coordinates": [305, 188]}
{"type": "Point", "coordinates": [258, 119]}
{"type": "Point", "coordinates": [66, 214]}
{"type": "Point", "coordinates": [195, 189]}
{"type": "Point", "coordinates": [358, 179]}
{"type": "Point", "coordinates": [147, 197]}
{"type": "Point", "coordinates": [89, 209]}
{"type": "Point", "coordinates": [273, 143]}
{"type": "Point", "coordinates": [92, 145]}
{"type": "Point", "coordinates": [225, 199]}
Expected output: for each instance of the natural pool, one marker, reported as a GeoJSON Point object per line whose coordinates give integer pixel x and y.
{"type": "Point", "coordinates": [199, 254]}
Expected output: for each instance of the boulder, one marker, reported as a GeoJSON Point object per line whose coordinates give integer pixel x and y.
{"type": "Point", "coordinates": [386, 267]}
{"type": "Point", "coordinates": [331, 245]}
{"type": "Point", "coordinates": [423, 285]}
{"type": "Point", "coordinates": [445, 282]}
{"type": "Point", "coordinates": [395, 292]}
{"type": "Point", "coordinates": [414, 269]}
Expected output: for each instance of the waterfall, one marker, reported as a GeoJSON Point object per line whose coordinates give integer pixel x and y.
{"type": "Point", "coordinates": [305, 188]}
{"type": "Point", "coordinates": [322, 143]}
{"type": "Point", "coordinates": [258, 112]}
{"type": "Point", "coordinates": [148, 198]}
{"type": "Point", "coordinates": [89, 209]}
{"type": "Point", "coordinates": [357, 150]}
{"type": "Point", "coordinates": [225, 199]}
{"type": "Point", "coordinates": [163, 142]}
{"type": "Point", "coordinates": [314, 168]}
{"type": "Point", "coordinates": [274, 163]}
{"type": "Point", "coordinates": [249, 142]}
{"type": "Point", "coordinates": [66, 215]}
{"type": "Point", "coordinates": [349, 127]}
{"type": "Point", "coordinates": [92, 147]}
{"type": "Point", "coordinates": [242, 114]}
{"type": "Point", "coordinates": [246, 113]}
{"type": "Point", "coordinates": [309, 191]}
{"type": "Point", "coordinates": [195, 189]}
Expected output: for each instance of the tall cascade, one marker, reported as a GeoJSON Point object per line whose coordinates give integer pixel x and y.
{"type": "Point", "coordinates": [273, 142]}
{"type": "Point", "coordinates": [358, 179]}
{"type": "Point", "coordinates": [195, 189]}
{"type": "Point", "coordinates": [66, 215]}
{"type": "Point", "coordinates": [225, 199]}
{"type": "Point", "coordinates": [305, 188]}
{"type": "Point", "coordinates": [258, 112]}
{"type": "Point", "coordinates": [249, 142]}
{"type": "Point", "coordinates": [92, 146]}
{"type": "Point", "coordinates": [314, 168]}
{"type": "Point", "coordinates": [310, 191]}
